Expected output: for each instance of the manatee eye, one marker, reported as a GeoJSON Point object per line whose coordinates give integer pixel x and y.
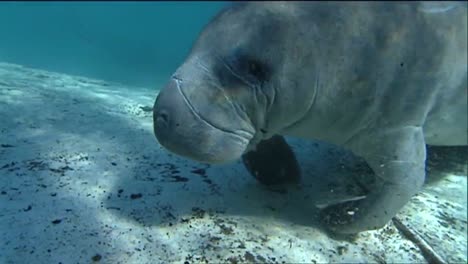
{"type": "Point", "coordinates": [239, 68]}
{"type": "Point", "coordinates": [256, 69]}
{"type": "Point", "coordinates": [253, 67]}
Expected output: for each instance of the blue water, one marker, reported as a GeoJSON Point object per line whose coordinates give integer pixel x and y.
{"type": "Point", "coordinates": [135, 43]}
{"type": "Point", "coordinates": [84, 180]}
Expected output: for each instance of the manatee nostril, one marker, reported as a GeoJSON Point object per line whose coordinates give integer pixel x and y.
{"type": "Point", "coordinates": [162, 118]}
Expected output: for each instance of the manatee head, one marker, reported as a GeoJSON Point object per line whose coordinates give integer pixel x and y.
{"type": "Point", "coordinates": [229, 92]}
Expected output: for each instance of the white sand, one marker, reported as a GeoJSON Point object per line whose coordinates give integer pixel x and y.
{"type": "Point", "coordinates": [82, 177]}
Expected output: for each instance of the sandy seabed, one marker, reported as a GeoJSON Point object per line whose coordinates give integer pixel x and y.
{"type": "Point", "coordinates": [83, 180]}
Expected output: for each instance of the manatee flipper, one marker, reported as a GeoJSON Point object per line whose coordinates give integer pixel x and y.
{"type": "Point", "coordinates": [397, 157]}
{"type": "Point", "coordinates": [273, 162]}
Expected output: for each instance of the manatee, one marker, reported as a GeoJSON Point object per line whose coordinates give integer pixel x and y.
{"type": "Point", "coordinates": [380, 79]}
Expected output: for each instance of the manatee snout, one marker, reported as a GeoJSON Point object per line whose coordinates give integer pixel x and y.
{"type": "Point", "coordinates": [183, 127]}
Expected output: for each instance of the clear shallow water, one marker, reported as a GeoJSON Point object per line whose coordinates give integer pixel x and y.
{"type": "Point", "coordinates": [132, 43]}
{"type": "Point", "coordinates": [82, 178]}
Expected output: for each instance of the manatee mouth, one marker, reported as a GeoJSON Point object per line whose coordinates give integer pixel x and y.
{"type": "Point", "coordinates": [242, 135]}
{"type": "Point", "coordinates": [181, 128]}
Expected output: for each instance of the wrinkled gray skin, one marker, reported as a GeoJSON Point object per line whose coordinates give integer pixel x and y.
{"type": "Point", "coordinates": [380, 79]}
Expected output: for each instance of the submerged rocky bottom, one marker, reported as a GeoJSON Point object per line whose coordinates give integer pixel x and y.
{"type": "Point", "coordinates": [82, 179]}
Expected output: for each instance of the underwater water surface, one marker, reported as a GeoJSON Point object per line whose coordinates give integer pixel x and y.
{"type": "Point", "coordinates": [83, 179]}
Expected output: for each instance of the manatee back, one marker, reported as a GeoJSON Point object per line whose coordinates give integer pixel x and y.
{"type": "Point", "coordinates": [447, 120]}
